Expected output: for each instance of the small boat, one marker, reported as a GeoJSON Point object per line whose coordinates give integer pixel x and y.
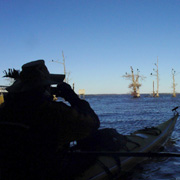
{"type": "Point", "coordinates": [140, 145]}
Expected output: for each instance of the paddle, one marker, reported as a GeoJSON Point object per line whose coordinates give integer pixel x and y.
{"type": "Point", "coordinates": [128, 154]}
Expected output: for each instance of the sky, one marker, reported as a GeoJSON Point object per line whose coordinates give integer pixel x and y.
{"type": "Point", "coordinates": [100, 39]}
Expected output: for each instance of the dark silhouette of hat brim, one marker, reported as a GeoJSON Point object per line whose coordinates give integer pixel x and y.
{"type": "Point", "coordinates": [18, 86]}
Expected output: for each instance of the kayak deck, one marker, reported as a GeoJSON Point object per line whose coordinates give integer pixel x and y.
{"type": "Point", "coordinates": [145, 140]}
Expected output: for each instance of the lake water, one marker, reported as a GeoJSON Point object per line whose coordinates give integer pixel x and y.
{"type": "Point", "coordinates": [127, 114]}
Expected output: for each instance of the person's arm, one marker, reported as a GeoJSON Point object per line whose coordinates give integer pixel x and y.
{"type": "Point", "coordinates": [77, 121]}
{"type": "Point", "coordinates": [65, 91]}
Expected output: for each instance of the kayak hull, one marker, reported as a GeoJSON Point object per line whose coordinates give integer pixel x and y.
{"type": "Point", "coordinates": [146, 140]}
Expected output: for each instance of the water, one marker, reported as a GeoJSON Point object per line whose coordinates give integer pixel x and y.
{"type": "Point", "coordinates": [127, 114]}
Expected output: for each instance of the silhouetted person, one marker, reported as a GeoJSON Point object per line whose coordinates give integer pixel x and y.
{"type": "Point", "coordinates": [33, 127]}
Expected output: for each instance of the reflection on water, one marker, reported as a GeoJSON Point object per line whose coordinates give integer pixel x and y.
{"type": "Point", "coordinates": [127, 114]}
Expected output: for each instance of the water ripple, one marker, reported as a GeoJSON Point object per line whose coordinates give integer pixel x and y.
{"type": "Point", "coordinates": [127, 114]}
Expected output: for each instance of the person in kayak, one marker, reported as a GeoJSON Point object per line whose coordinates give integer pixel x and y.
{"type": "Point", "coordinates": [39, 125]}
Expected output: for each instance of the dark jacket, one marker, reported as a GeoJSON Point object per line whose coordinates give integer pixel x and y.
{"type": "Point", "coordinates": [67, 123]}
{"type": "Point", "coordinates": [34, 128]}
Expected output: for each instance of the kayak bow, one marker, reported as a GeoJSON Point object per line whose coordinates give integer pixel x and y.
{"type": "Point", "coordinates": [143, 144]}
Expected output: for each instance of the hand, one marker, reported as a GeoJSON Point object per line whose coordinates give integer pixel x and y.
{"type": "Point", "coordinates": [64, 90]}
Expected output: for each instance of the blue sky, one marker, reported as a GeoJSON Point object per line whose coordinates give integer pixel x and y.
{"type": "Point", "coordinates": [100, 39]}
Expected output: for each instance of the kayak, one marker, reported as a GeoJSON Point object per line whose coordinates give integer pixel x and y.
{"type": "Point", "coordinates": [112, 165]}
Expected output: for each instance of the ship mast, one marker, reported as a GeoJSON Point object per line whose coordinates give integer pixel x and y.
{"type": "Point", "coordinates": [153, 90]}
{"type": "Point", "coordinates": [66, 79]}
{"type": "Point", "coordinates": [157, 94]}
{"type": "Point", "coordinates": [64, 66]}
{"type": "Point", "coordinates": [174, 85]}
{"type": "Point", "coordinates": [157, 77]}
{"type": "Point", "coordinates": [133, 85]}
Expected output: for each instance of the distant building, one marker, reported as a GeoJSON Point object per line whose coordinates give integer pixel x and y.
{"type": "Point", "coordinates": [82, 93]}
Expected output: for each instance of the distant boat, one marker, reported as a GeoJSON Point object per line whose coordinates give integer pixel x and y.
{"type": "Point", "coordinates": [135, 85]}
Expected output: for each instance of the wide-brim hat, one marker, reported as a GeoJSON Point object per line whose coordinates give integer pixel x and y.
{"type": "Point", "coordinates": [33, 76]}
